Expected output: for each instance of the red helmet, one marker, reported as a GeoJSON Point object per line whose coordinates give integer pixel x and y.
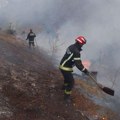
{"type": "Point", "coordinates": [81, 40]}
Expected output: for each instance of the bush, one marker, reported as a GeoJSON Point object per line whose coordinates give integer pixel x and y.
{"type": "Point", "coordinates": [12, 32]}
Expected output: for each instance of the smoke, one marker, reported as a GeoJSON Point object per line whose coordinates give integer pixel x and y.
{"type": "Point", "coordinates": [97, 20]}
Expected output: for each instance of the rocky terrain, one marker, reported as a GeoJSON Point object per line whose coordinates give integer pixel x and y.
{"type": "Point", "coordinates": [30, 87]}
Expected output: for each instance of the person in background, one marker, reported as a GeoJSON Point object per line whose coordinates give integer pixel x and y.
{"type": "Point", "coordinates": [31, 36]}
{"type": "Point", "coordinates": [71, 58]}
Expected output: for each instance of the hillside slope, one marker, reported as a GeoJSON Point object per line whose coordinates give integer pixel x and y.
{"type": "Point", "coordinates": [30, 87]}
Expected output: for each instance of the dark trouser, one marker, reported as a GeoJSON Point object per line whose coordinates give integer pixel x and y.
{"type": "Point", "coordinates": [31, 43]}
{"type": "Point", "coordinates": [68, 81]}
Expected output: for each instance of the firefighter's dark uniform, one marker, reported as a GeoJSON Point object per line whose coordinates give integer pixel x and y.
{"type": "Point", "coordinates": [31, 37]}
{"type": "Point", "coordinates": [70, 59]}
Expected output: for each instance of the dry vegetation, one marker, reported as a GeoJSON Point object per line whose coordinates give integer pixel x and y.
{"type": "Point", "coordinates": [30, 87]}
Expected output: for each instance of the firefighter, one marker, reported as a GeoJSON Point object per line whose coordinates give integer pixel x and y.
{"type": "Point", "coordinates": [31, 36]}
{"type": "Point", "coordinates": [70, 59]}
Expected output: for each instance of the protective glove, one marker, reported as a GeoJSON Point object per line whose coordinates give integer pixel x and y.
{"type": "Point", "coordinates": [86, 71]}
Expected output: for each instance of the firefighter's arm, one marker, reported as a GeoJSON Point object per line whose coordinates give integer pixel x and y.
{"type": "Point", "coordinates": [80, 66]}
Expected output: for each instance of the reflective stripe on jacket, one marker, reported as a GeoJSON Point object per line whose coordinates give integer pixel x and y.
{"type": "Point", "coordinates": [31, 36]}
{"type": "Point", "coordinates": [71, 58]}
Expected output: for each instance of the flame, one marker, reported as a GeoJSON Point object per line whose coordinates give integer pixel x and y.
{"type": "Point", "coordinates": [86, 63]}
{"type": "Point", "coordinates": [104, 118]}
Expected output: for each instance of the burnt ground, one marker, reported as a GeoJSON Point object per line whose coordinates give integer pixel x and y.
{"type": "Point", "coordinates": [30, 87]}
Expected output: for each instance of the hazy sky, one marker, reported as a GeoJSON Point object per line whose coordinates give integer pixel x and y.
{"type": "Point", "coordinates": [97, 20]}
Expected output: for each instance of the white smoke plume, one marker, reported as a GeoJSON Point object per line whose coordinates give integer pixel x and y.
{"type": "Point", "coordinates": [97, 20]}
